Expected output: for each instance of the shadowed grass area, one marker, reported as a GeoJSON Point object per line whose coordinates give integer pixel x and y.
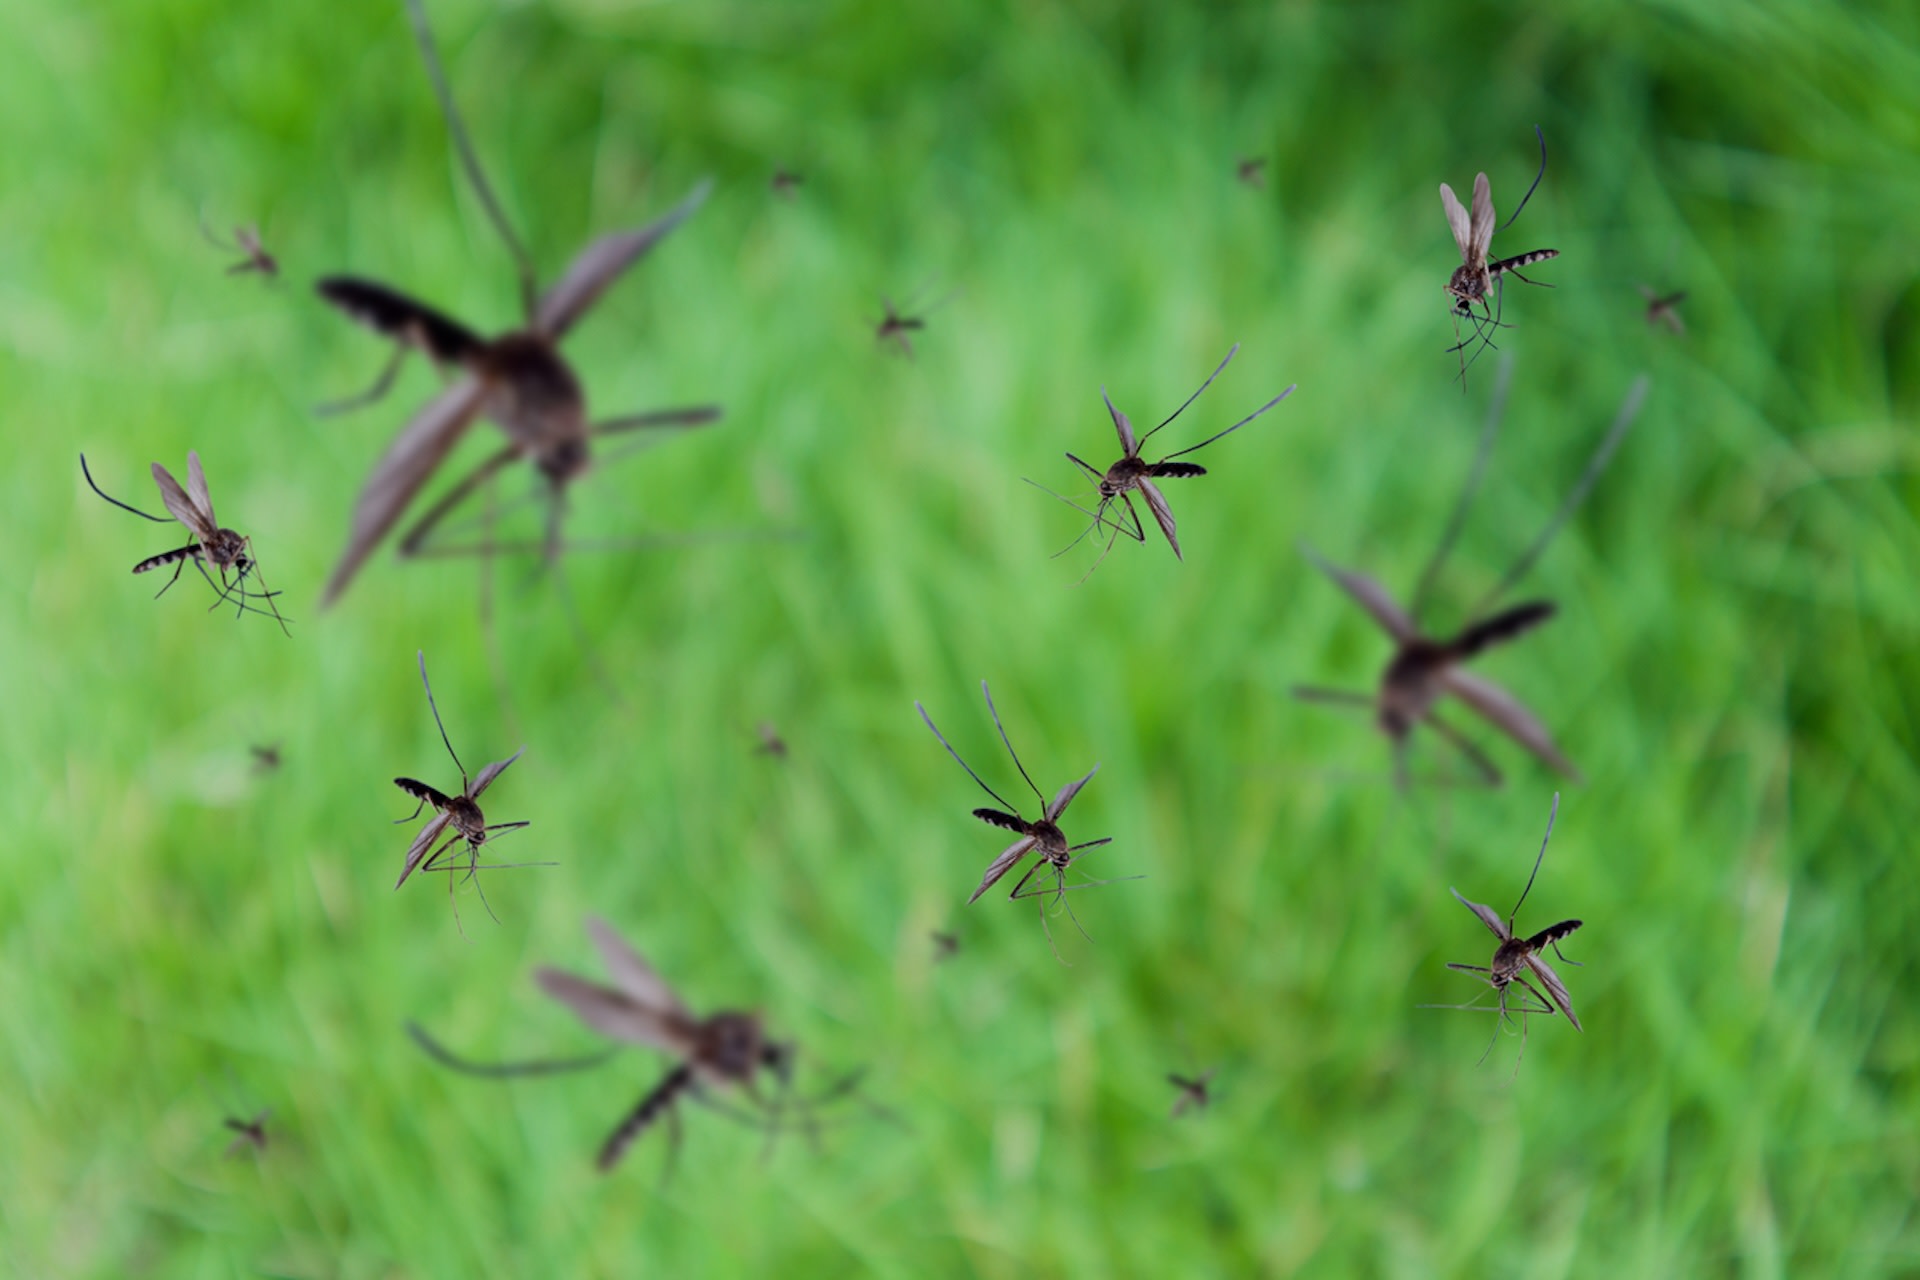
{"type": "Point", "coordinates": [1733, 665]}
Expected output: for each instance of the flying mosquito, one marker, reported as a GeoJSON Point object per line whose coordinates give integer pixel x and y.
{"type": "Point", "coordinates": [1193, 1091]}
{"type": "Point", "coordinates": [1516, 958]}
{"type": "Point", "coordinates": [1252, 171]}
{"type": "Point", "coordinates": [786, 183]}
{"type": "Point", "coordinates": [246, 242]}
{"type": "Point", "coordinates": [266, 757]}
{"type": "Point", "coordinates": [1134, 474]}
{"type": "Point", "coordinates": [211, 545]}
{"type": "Point", "coordinates": [1664, 309]}
{"type": "Point", "coordinates": [945, 945]}
{"type": "Point", "coordinates": [722, 1053]}
{"type": "Point", "coordinates": [519, 380]}
{"type": "Point", "coordinates": [253, 1133]}
{"type": "Point", "coordinates": [898, 322]}
{"type": "Point", "coordinates": [1475, 278]}
{"type": "Point", "coordinates": [1425, 668]}
{"type": "Point", "coordinates": [771, 743]}
{"type": "Point", "coordinates": [461, 813]}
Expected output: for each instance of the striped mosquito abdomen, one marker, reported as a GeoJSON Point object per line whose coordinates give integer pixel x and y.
{"type": "Point", "coordinates": [191, 550]}
{"type": "Point", "coordinates": [651, 1108]}
{"type": "Point", "coordinates": [1519, 260]}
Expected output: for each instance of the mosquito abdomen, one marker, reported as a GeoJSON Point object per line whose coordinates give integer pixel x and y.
{"type": "Point", "coordinates": [394, 314]}
{"type": "Point", "coordinates": [1175, 470]}
{"type": "Point", "coordinates": [1508, 624]}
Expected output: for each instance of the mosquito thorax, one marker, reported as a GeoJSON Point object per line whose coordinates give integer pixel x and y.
{"type": "Point", "coordinates": [731, 1045]}
{"type": "Point", "coordinates": [466, 818]}
{"type": "Point", "coordinates": [228, 548]}
{"type": "Point", "coordinates": [1407, 687]}
{"type": "Point", "coordinates": [1121, 476]}
{"type": "Point", "coordinates": [1048, 839]}
{"type": "Point", "coordinates": [536, 398]}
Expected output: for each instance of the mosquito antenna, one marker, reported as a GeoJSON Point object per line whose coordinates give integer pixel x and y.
{"type": "Point", "coordinates": [1003, 738]}
{"type": "Point", "coordinates": [1551, 815]}
{"type": "Point", "coordinates": [1235, 427]}
{"type": "Point", "coordinates": [1536, 179]}
{"type": "Point", "coordinates": [265, 594]}
{"type": "Point", "coordinates": [421, 654]}
{"type": "Point", "coordinates": [477, 176]}
{"type": "Point", "coordinates": [501, 1070]}
{"type": "Point", "coordinates": [1596, 465]}
{"type": "Point", "coordinates": [1141, 443]}
{"type": "Point", "coordinates": [1496, 409]}
{"type": "Point", "coordinates": [956, 757]}
{"type": "Point", "coordinates": [115, 501]}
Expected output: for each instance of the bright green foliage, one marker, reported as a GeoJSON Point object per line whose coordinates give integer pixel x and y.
{"type": "Point", "coordinates": [1734, 663]}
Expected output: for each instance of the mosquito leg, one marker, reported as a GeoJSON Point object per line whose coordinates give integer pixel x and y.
{"type": "Point", "coordinates": [115, 501]}
{"type": "Point", "coordinates": [413, 544]}
{"type": "Point", "coordinates": [694, 416]}
{"type": "Point", "coordinates": [178, 565]}
{"type": "Point", "coordinates": [1489, 774]}
{"type": "Point", "coordinates": [1331, 697]}
{"type": "Point", "coordinates": [381, 385]}
{"type": "Point", "coordinates": [502, 1070]}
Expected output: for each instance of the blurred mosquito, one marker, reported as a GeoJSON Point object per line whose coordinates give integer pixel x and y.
{"type": "Point", "coordinates": [1476, 276]}
{"type": "Point", "coordinates": [253, 1133]}
{"type": "Point", "coordinates": [725, 1052]}
{"type": "Point", "coordinates": [461, 813]}
{"type": "Point", "coordinates": [1664, 309]}
{"type": "Point", "coordinates": [1423, 668]}
{"type": "Point", "coordinates": [1252, 171]}
{"type": "Point", "coordinates": [1517, 958]}
{"type": "Point", "coordinates": [211, 545]}
{"type": "Point", "coordinates": [945, 945]}
{"type": "Point", "coordinates": [787, 183]}
{"type": "Point", "coordinates": [898, 322]}
{"type": "Point", "coordinates": [1193, 1091]}
{"type": "Point", "coordinates": [1134, 474]}
{"type": "Point", "coordinates": [771, 743]}
{"type": "Point", "coordinates": [519, 381]}
{"type": "Point", "coordinates": [245, 241]}
{"type": "Point", "coordinates": [266, 758]}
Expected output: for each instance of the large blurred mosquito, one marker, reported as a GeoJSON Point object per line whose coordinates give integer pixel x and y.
{"type": "Point", "coordinates": [519, 381]}
{"type": "Point", "coordinates": [459, 813]}
{"type": "Point", "coordinates": [1134, 474]}
{"type": "Point", "coordinates": [1663, 309]}
{"type": "Point", "coordinates": [211, 545]}
{"type": "Point", "coordinates": [246, 242]}
{"type": "Point", "coordinates": [722, 1053]}
{"type": "Point", "coordinates": [1517, 958]}
{"type": "Point", "coordinates": [1475, 278]}
{"type": "Point", "coordinates": [1425, 669]}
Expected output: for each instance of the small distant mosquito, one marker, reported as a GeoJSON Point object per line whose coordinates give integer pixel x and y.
{"type": "Point", "coordinates": [1193, 1091]}
{"type": "Point", "coordinates": [771, 743]}
{"type": "Point", "coordinates": [211, 545]}
{"type": "Point", "coordinates": [787, 183]}
{"type": "Point", "coordinates": [1474, 279]}
{"type": "Point", "coordinates": [1252, 171]}
{"type": "Point", "coordinates": [1517, 958]}
{"type": "Point", "coordinates": [1134, 474]}
{"type": "Point", "coordinates": [519, 381]}
{"type": "Point", "coordinates": [246, 241]}
{"type": "Point", "coordinates": [893, 327]}
{"type": "Point", "coordinates": [1664, 309]}
{"type": "Point", "coordinates": [718, 1054]}
{"type": "Point", "coordinates": [461, 812]}
{"type": "Point", "coordinates": [1423, 668]}
{"type": "Point", "coordinates": [253, 1133]}
{"type": "Point", "coordinates": [265, 758]}
{"type": "Point", "coordinates": [945, 945]}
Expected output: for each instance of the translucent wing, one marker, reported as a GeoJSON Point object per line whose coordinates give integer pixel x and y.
{"type": "Point", "coordinates": [197, 489]}
{"type": "Point", "coordinates": [421, 843]}
{"type": "Point", "coordinates": [613, 1014]}
{"type": "Point", "coordinates": [1162, 514]}
{"type": "Point", "coordinates": [1482, 218]}
{"type": "Point", "coordinates": [1121, 426]}
{"type": "Point", "coordinates": [1066, 795]}
{"type": "Point", "coordinates": [603, 262]}
{"type": "Point", "coordinates": [1488, 916]}
{"type": "Point", "coordinates": [397, 477]}
{"type": "Point", "coordinates": [1556, 989]}
{"type": "Point", "coordinates": [1008, 858]}
{"type": "Point", "coordinates": [485, 778]}
{"type": "Point", "coordinates": [178, 504]}
{"type": "Point", "coordinates": [1456, 219]}
{"type": "Point", "coordinates": [1506, 713]}
{"type": "Point", "coordinates": [1369, 595]}
{"type": "Point", "coordinates": [631, 972]}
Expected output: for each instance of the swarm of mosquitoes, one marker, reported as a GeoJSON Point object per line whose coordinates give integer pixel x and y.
{"type": "Point", "coordinates": [728, 1061]}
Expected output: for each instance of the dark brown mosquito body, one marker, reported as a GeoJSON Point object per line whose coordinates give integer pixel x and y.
{"type": "Point", "coordinates": [786, 183]}
{"type": "Point", "coordinates": [945, 945]}
{"type": "Point", "coordinates": [212, 546]}
{"type": "Point", "coordinates": [1193, 1091]}
{"type": "Point", "coordinates": [1664, 309]}
{"type": "Point", "coordinates": [246, 241]}
{"type": "Point", "coordinates": [459, 815]}
{"type": "Point", "coordinates": [1135, 474]}
{"type": "Point", "coordinates": [1424, 669]}
{"type": "Point", "coordinates": [253, 1133]}
{"type": "Point", "coordinates": [1252, 171]}
{"type": "Point", "coordinates": [1475, 280]}
{"type": "Point", "coordinates": [893, 327]}
{"type": "Point", "coordinates": [771, 743]}
{"type": "Point", "coordinates": [519, 381]}
{"type": "Point", "coordinates": [1518, 959]}
{"type": "Point", "coordinates": [266, 758]}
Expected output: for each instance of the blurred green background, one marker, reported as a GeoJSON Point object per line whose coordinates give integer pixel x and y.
{"type": "Point", "coordinates": [182, 938]}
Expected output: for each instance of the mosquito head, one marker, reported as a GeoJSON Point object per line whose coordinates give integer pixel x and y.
{"type": "Point", "coordinates": [732, 1047]}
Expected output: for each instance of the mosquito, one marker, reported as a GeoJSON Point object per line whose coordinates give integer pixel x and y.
{"type": "Point", "coordinates": [461, 813]}
{"type": "Point", "coordinates": [1518, 958]}
{"type": "Point", "coordinates": [771, 743]}
{"type": "Point", "coordinates": [898, 322]}
{"type": "Point", "coordinates": [945, 945]}
{"type": "Point", "coordinates": [1252, 171]}
{"type": "Point", "coordinates": [1425, 668]}
{"type": "Point", "coordinates": [1193, 1091]}
{"type": "Point", "coordinates": [253, 1133]}
{"type": "Point", "coordinates": [1664, 309]}
{"type": "Point", "coordinates": [725, 1052]}
{"type": "Point", "coordinates": [1474, 279]}
{"type": "Point", "coordinates": [519, 381]}
{"type": "Point", "coordinates": [211, 545]}
{"type": "Point", "coordinates": [786, 184]}
{"type": "Point", "coordinates": [245, 241]}
{"type": "Point", "coordinates": [1134, 474]}
{"type": "Point", "coordinates": [266, 758]}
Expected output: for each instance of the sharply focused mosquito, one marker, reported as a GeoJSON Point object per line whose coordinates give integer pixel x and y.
{"type": "Point", "coordinates": [1134, 474]}
{"type": "Point", "coordinates": [519, 381]}
{"type": "Point", "coordinates": [1517, 958]}
{"type": "Point", "coordinates": [253, 1133]}
{"type": "Point", "coordinates": [461, 813]}
{"type": "Point", "coordinates": [718, 1054]}
{"type": "Point", "coordinates": [1664, 309]}
{"type": "Point", "coordinates": [1475, 278]}
{"type": "Point", "coordinates": [1423, 668]}
{"type": "Point", "coordinates": [211, 545]}
{"type": "Point", "coordinates": [245, 241]}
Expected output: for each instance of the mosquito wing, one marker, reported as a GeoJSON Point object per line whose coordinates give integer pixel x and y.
{"type": "Point", "coordinates": [614, 1014]}
{"type": "Point", "coordinates": [1456, 219]}
{"type": "Point", "coordinates": [1556, 989]}
{"type": "Point", "coordinates": [197, 489]}
{"type": "Point", "coordinates": [1369, 595]}
{"type": "Point", "coordinates": [603, 262]}
{"type": "Point", "coordinates": [1008, 859]}
{"type": "Point", "coordinates": [1482, 219]}
{"type": "Point", "coordinates": [485, 777]}
{"type": "Point", "coordinates": [631, 972]}
{"type": "Point", "coordinates": [1488, 917]}
{"type": "Point", "coordinates": [421, 843]}
{"type": "Point", "coordinates": [1066, 795]}
{"type": "Point", "coordinates": [1506, 713]}
{"type": "Point", "coordinates": [1121, 426]}
{"type": "Point", "coordinates": [1162, 514]}
{"type": "Point", "coordinates": [178, 504]}
{"type": "Point", "coordinates": [422, 446]}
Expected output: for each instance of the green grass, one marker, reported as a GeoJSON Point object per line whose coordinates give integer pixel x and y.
{"type": "Point", "coordinates": [1734, 664]}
